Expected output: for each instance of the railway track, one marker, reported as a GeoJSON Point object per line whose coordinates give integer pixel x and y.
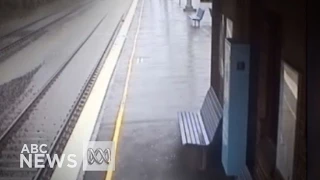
{"type": "Point", "coordinates": [20, 42]}
{"type": "Point", "coordinates": [19, 38]}
{"type": "Point", "coordinates": [24, 130]}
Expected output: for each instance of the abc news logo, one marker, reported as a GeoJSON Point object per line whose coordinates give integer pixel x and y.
{"type": "Point", "coordinates": [98, 156]}
{"type": "Point", "coordinates": [35, 156]}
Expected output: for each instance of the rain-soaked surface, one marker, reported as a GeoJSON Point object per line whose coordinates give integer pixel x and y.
{"type": "Point", "coordinates": [26, 72]}
{"type": "Point", "coordinates": [170, 73]}
{"type": "Point", "coordinates": [51, 50]}
{"type": "Point", "coordinates": [14, 19]}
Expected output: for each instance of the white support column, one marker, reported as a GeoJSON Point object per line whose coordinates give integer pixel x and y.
{"type": "Point", "coordinates": [189, 6]}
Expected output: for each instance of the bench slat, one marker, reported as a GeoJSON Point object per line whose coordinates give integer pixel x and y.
{"type": "Point", "coordinates": [211, 113]}
{"type": "Point", "coordinates": [186, 127]}
{"type": "Point", "coordinates": [194, 18]}
{"type": "Point", "coordinates": [207, 116]}
{"type": "Point", "coordinates": [192, 133]}
{"type": "Point", "coordinates": [216, 101]}
{"type": "Point", "coordinates": [214, 112]}
{"type": "Point", "coordinates": [182, 129]}
{"type": "Point", "coordinates": [197, 126]}
{"type": "Point", "coordinates": [200, 128]}
{"type": "Point", "coordinates": [204, 140]}
{"type": "Point", "coordinates": [194, 128]}
{"type": "Point", "coordinates": [205, 132]}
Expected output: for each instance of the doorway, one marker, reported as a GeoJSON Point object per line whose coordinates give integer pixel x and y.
{"type": "Point", "coordinates": [268, 96]}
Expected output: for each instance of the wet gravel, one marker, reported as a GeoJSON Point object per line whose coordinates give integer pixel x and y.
{"type": "Point", "coordinates": [12, 90]}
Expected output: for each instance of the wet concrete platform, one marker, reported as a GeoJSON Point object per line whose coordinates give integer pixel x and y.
{"type": "Point", "coordinates": [170, 73]}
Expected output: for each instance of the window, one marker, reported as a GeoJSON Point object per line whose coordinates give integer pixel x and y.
{"type": "Point", "coordinates": [225, 33]}
{"type": "Point", "coordinates": [287, 120]}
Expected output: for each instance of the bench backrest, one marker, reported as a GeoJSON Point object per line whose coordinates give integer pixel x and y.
{"type": "Point", "coordinates": [200, 13]}
{"type": "Point", "coordinates": [211, 113]}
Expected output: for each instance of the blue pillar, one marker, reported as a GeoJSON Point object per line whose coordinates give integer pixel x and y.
{"type": "Point", "coordinates": [235, 107]}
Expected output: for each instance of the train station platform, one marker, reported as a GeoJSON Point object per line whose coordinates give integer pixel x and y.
{"type": "Point", "coordinates": [163, 68]}
{"type": "Point", "coordinates": [169, 65]}
{"type": "Point", "coordinates": [120, 72]}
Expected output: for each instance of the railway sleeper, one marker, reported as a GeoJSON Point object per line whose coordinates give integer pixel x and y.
{"type": "Point", "coordinates": [17, 172]}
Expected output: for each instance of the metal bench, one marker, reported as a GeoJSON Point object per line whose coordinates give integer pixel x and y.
{"type": "Point", "coordinates": [197, 17]}
{"type": "Point", "coordinates": [199, 128]}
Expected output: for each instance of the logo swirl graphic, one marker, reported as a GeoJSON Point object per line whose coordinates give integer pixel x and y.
{"type": "Point", "coordinates": [98, 156]}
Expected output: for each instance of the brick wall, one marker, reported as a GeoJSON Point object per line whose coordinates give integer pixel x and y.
{"type": "Point", "coordinates": [292, 51]}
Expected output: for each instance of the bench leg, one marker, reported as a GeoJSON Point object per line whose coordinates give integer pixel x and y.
{"type": "Point", "coordinates": [203, 160]}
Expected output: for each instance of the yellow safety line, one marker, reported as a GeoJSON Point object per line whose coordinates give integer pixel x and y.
{"type": "Point", "coordinates": [124, 96]}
